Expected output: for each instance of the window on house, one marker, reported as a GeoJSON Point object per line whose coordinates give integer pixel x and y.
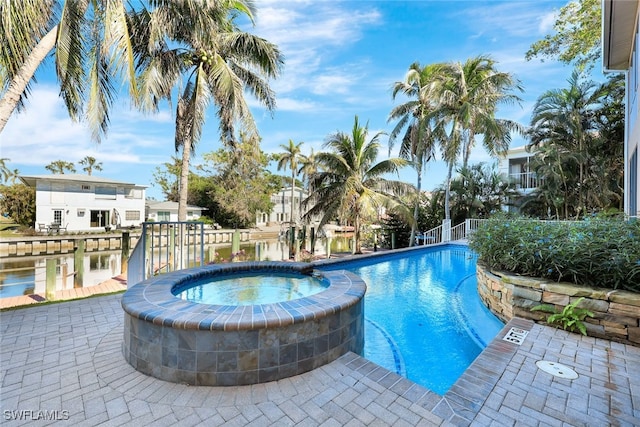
{"type": "Point", "coordinates": [132, 215]}
{"type": "Point", "coordinates": [99, 218]}
{"type": "Point", "coordinates": [164, 216]}
{"type": "Point", "coordinates": [133, 193]}
{"type": "Point", "coordinates": [106, 193]}
{"type": "Point", "coordinates": [57, 216]}
{"type": "Point", "coordinates": [86, 187]}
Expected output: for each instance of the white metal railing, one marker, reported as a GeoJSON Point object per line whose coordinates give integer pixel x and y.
{"type": "Point", "coordinates": [525, 180]}
{"type": "Point", "coordinates": [446, 233]}
{"type": "Point", "coordinates": [165, 246]}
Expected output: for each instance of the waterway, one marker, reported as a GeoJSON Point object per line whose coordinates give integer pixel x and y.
{"type": "Point", "coordinates": [26, 275]}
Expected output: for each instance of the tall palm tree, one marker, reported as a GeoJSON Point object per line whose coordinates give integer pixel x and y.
{"type": "Point", "coordinates": [289, 159]}
{"type": "Point", "coordinates": [92, 48]}
{"type": "Point", "coordinates": [90, 164]}
{"type": "Point", "coordinates": [469, 94]}
{"type": "Point", "coordinates": [416, 117]}
{"type": "Point", "coordinates": [567, 118]}
{"type": "Point", "coordinates": [58, 167]}
{"type": "Point", "coordinates": [351, 185]}
{"type": "Point", "coordinates": [196, 48]}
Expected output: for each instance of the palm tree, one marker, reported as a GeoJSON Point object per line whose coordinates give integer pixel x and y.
{"type": "Point", "coordinates": [90, 163]}
{"type": "Point", "coordinates": [197, 47]}
{"type": "Point", "coordinates": [60, 166]}
{"type": "Point", "coordinates": [468, 96]}
{"type": "Point", "coordinates": [350, 185]}
{"type": "Point", "coordinates": [416, 117]}
{"type": "Point", "coordinates": [308, 168]}
{"type": "Point", "coordinates": [567, 118]}
{"type": "Point", "coordinates": [92, 48]}
{"type": "Point", "coordinates": [290, 158]}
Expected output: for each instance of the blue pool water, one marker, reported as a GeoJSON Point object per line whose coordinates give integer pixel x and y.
{"type": "Point", "coordinates": [251, 288]}
{"type": "Point", "coordinates": [425, 319]}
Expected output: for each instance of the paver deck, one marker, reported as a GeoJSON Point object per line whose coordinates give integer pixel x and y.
{"type": "Point", "coordinates": [62, 363]}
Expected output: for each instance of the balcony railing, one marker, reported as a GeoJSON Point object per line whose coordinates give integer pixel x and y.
{"type": "Point", "coordinates": [525, 180]}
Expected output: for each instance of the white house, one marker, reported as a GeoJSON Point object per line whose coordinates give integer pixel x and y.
{"type": "Point", "coordinates": [516, 165]}
{"type": "Point", "coordinates": [621, 53]}
{"type": "Point", "coordinates": [168, 211]}
{"type": "Point", "coordinates": [281, 211]}
{"type": "Point", "coordinates": [70, 202]}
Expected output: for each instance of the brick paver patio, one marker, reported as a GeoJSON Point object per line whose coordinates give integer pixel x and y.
{"type": "Point", "coordinates": [62, 363]}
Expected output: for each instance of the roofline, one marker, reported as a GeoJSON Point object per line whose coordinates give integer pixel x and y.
{"type": "Point", "coordinates": [619, 20]}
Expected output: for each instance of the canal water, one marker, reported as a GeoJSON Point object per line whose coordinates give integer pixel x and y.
{"type": "Point", "coordinates": [27, 275]}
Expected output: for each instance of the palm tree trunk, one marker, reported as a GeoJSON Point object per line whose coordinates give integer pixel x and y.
{"type": "Point", "coordinates": [184, 182]}
{"type": "Point", "coordinates": [447, 193]}
{"type": "Point", "coordinates": [19, 83]}
{"type": "Point", "coordinates": [293, 181]}
{"type": "Point", "coordinates": [416, 208]}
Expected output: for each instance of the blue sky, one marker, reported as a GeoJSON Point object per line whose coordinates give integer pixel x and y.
{"type": "Point", "coordinates": [342, 58]}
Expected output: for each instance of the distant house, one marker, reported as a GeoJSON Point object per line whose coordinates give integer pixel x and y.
{"type": "Point", "coordinates": [516, 165]}
{"type": "Point", "coordinates": [168, 211]}
{"type": "Point", "coordinates": [70, 202]}
{"type": "Point", "coordinates": [621, 53]}
{"type": "Point", "coordinates": [281, 212]}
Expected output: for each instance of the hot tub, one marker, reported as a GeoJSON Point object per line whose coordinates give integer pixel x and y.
{"type": "Point", "coordinates": [211, 344]}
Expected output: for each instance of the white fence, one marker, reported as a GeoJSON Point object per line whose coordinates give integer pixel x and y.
{"type": "Point", "coordinates": [446, 233]}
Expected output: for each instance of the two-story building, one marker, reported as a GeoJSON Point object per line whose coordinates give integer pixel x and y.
{"type": "Point", "coordinates": [281, 212]}
{"type": "Point", "coordinates": [621, 53]}
{"type": "Point", "coordinates": [74, 202]}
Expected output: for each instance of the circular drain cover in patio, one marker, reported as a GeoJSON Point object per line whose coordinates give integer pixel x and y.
{"type": "Point", "coordinates": [557, 369]}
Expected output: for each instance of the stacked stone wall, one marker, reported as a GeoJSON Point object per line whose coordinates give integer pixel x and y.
{"type": "Point", "coordinates": [616, 312]}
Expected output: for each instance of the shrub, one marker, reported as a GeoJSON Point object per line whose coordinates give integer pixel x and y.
{"type": "Point", "coordinates": [570, 318]}
{"type": "Point", "coordinates": [596, 252]}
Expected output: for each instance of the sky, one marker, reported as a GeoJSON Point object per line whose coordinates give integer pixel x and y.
{"type": "Point", "coordinates": [341, 60]}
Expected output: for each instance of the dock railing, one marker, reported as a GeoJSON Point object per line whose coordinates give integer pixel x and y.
{"type": "Point", "coordinates": [166, 246]}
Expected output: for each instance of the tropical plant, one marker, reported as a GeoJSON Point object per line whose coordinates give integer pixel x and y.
{"type": "Point", "coordinates": [469, 94]}
{"type": "Point", "coordinates": [240, 186]}
{"type": "Point", "coordinates": [576, 36]}
{"type": "Point", "coordinates": [290, 158]}
{"type": "Point", "coordinates": [60, 166]}
{"type": "Point", "coordinates": [576, 133]}
{"type": "Point", "coordinates": [415, 117]}
{"type": "Point", "coordinates": [570, 318]}
{"type": "Point", "coordinates": [199, 48]}
{"type": "Point", "coordinates": [90, 164]}
{"type": "Point", "coordinates": [602, 252]}
{"type": "Point", "coordinates": [92, 49]}
{"type": "Point", "coordinates": [7, 175]}
{"type": "Point", "coordinates": [19, 201]}
{"type": "Point", "coordinates": [351, 185]}
{"type": "Point", "coordinates": [479, 191]}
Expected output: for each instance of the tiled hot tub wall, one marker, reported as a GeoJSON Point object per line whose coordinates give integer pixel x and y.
{"type": "Point", "coordinates": [200, 344]}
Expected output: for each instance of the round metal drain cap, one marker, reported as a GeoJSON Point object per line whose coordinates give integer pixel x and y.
{"type": "Point", "coordinates": [557, 369]}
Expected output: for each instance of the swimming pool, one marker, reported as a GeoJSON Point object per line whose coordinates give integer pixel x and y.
{"type": "Point", "coordinates": [424, 318]}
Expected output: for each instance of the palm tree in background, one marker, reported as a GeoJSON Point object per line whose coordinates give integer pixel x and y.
{"type": "Point", "coordinates": [290, 159]}
{"type": "Point", "coordinates": [567, 119]}
{"type": "Point", "coordinates": [468, 95]}
{"type": "Point", "coordinates": [195, 49]}
{"type": "Point", "coordinates": [90, 164]}
{"type": "Point", "coordinates": [91, 43]}
{"type": "Point", "coordinates": [350, 185]}
{"type": "Point", "coordinates": [58, 167]}
{"type": "Point", "coordinates": [416, 118]}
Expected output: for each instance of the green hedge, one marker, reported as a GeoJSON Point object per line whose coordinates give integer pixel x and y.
{"type": "Point", "coordinates": [595, 252]}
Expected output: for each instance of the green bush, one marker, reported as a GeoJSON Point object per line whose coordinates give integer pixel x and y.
{"type": "Point", "coordinates": [597, 252]}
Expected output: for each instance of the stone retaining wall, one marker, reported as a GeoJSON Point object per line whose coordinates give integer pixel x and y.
{"type": "Point", "coordinates": [616, 312]}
